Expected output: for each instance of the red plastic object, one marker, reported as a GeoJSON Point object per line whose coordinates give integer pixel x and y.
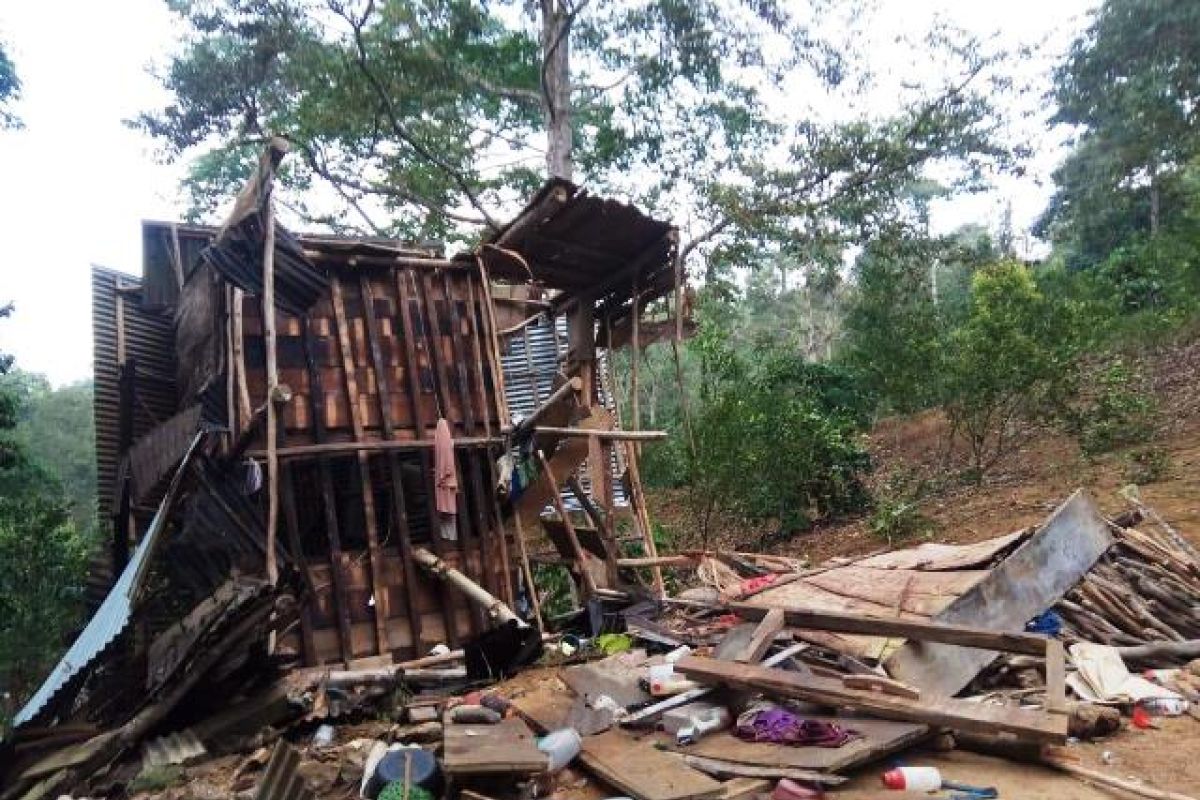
{"type": "Point", "coordinates": [894, 779]}
{"type": "Point", "coordinates": [1141, 718]}
{"type": "Point", "coordinates": [788, 789]}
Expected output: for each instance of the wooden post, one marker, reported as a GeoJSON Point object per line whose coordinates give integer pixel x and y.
{"type": "Point", "coordinates": [272, 382]}
{"type": "Point", "coordinates": [581, 556]}
{"type": "Point", "coordinates": [528, 570]}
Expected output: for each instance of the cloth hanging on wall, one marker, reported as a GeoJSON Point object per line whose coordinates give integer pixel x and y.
{"type": "Point", "coordinates": [445, 474]}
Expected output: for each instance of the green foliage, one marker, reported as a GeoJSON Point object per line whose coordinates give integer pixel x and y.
{"type": "Point", "coordinates": [43, 556]}
{"type": "Point", "coordinates": [1012, 358]}
{"type": "Point", "coordinates": [156, 779]}
{"type": "Point", "coordinates": [896, 510]}
{"type": "Point", "coordinates": [10, 90]}
{"type": "Point", "coordinates": [53, 429]}
{"type": "Point", "coordinates": [1116, 413]}
{"type": "Point", "coordinates": [1147, 465]}
{"type": "Point", "coordinates": [1130, 86]}
{"type": "Point", "coordinates": [776, 438]}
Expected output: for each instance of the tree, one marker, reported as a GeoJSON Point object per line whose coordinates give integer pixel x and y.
{"type": "Point", "coordinates": [1131, 86]}
{"type": "Point", "coordinates": [427, 116]}
{"type": "Point", "coordinates": [1013, 354]}
{"type": "Point", "coordinates": [10, 91]}
{"type": "Point", "coordinates": [43, 557]}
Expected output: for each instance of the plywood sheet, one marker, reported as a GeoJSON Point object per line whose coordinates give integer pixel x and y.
{"type": "Point", "coordinates": [914, 591]}
{"type": "Point", "coordinates": [644, 772]}
{"type": "Point", "coordinates": [879, 737]}
{"type": "Point", "coordinates": [505, 748]}
{"type": "Point", "coordinates": [933, 556]}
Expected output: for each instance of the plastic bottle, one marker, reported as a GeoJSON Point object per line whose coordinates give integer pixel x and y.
{"type": "Point", "coordinates": [561, 747]}
{"type": "Point", "coordinates": [704, 723]}
{"type": "Point", "coordinates": [664, 681]}
{"type": "Point", "coordinates": [913, 779]}
{"type": "Point", "coordinates": [1165, 706]}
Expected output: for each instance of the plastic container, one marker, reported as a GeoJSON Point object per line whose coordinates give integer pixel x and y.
{"type": "Point", "coordinates": [678, 653]}
{"type": "Point", "coordinates": [664, 681]}
{"type": "Point", "coordinates": [1165, 706]}
{"type": "Point", "coordinates": [561, 747]}
{"type": "Point", "coordinates": [913, 779]}
{"type": "Point", "coordinates": [704, 723]}
{"type": "Point", "coordinates": [422, 769]}
{"type": "Point", "coordinates": [323, 737]}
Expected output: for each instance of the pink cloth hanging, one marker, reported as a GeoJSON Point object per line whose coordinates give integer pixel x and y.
{"type": "Point", "coordinates": [445, 476]}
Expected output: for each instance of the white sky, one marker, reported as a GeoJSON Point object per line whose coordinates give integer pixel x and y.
{"type": "Point", "coordinates": [75, 183]}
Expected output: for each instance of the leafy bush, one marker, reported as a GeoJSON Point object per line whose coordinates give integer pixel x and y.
{"type": "Point", "coordinates": [777, 438]}
{"type": "Point", "coordinates": [896, 513]}
{"type": "Point", "coordinates": [1147, 465]}
{"type": "Point", "coordinates": [1010, 359]}
{"type": "Point", "coordinates": [1117, 414]}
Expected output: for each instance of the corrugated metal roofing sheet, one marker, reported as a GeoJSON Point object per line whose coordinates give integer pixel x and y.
{"type": "Point", "coordinates": [150, 342]}
{"type": "Point", "coordinates": [111, 618]}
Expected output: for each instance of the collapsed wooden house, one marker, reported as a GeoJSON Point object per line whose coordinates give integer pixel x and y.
{"type": "Point", "coordinates": [334, 360]}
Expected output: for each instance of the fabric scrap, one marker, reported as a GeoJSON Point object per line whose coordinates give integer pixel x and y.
{"type": "Point", "coordinates": [780, 726]}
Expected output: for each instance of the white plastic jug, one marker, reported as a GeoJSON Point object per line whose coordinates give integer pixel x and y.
{"type": "Point", "coordinates": [561, 747]}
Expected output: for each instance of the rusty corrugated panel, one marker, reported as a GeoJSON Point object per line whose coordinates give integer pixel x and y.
{"type": "Point", "coordinates": [238, 256]}
{"type": "Point", "coordinates": [111, 618]}
{"type": "Point", "coordinates": [573, 241]}
{"type": "Point", "coordinates": [281, 781]}
{"type": "Point", "coordinates": [152, 456]}
{"type": "Point", "coordinates": [149, 343]}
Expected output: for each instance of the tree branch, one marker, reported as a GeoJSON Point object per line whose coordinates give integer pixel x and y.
{"type": "Point", "coordinates": [390, 112]}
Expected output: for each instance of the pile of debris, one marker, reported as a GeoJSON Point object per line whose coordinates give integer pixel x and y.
{"type": "Point", "coordinates": [741, 691]}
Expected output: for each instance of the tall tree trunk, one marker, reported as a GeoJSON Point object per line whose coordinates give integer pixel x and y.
{"type": "Point", "coordinates": [556, 86]}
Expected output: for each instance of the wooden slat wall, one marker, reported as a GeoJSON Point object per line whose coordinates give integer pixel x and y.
{"type": "Point", "coordinates": [387, 371]}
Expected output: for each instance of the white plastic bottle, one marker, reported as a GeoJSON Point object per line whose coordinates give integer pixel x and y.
{"type": "Point", "coordinates": [913, 779]}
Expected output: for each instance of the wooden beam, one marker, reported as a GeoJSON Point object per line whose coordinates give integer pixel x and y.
{"type": "Point", "coordinates": [620, 436]}
{"type": "Point", "coordinates": [370, 521]}
{"type": "Point", "coordinates": [530, 585]}
{"type": "Point", "coordinates": [944, 712]}
{"type": "Point", "coordinates": [316, 399]}
{"type": "Point", "coordinates": [399, 503]}
{"type": "Point", "coordinates": [611, 551]}
{"type": "Point", "coordinates": [581, 555]}
{"type": "Point", "coordinates": [528, 422]}
{"type": "Point", "coordinates": [771, 624]}
{"type": "Point", "coordinates": [892, 627]}
{"type": "Point", "coordinates": [374, 446]}
{"type": "Point", "coordinates": [495, 609]}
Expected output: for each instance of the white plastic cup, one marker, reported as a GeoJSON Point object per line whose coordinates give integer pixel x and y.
{"type": "Point", "coordinates": [561, 747]}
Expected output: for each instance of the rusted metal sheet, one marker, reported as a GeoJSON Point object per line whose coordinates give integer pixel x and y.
{"type": "Point", "coordinates": [568, 239]}
{"type": "Point", "coordinates": [281, 781]}
{"type": "Point", "coordinates": [1028, 582]}
{"type": "Point", "coordinates": [147, 341]}
{"type": "Point", "coordinates": [110, 619]}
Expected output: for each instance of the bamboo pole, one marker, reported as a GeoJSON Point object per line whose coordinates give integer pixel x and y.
{"type": "Point", "coordinates": [495, 609]}
{"type": "Point", "coordinates": [1095, 776]}
{"type": "Point", "coordinates": [589, 582]}
{"type": "Point", "coordinates": [272, 384]}
{"type": "Point", "coordinates": [528, 570]}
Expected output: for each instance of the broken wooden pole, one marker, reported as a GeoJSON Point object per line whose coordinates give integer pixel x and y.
{"type": "Point", "coordinates": [606, 538]}
{"type": "Point", "coordinates": [1060, 763]}
{"type": "Point", "coordinates": [527, 423]}
{"type": "Point", "coordinates": [619, 436]}
{"type": "Point", "coordinates": [527, 570]}
{"type": "Point", "coordinates": [581, 556]}
{"type": "Point", "coordinates": [474, 592]}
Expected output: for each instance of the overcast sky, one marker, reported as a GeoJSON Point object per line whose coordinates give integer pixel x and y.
{"type": "Point", "coordinates": [75, 183]}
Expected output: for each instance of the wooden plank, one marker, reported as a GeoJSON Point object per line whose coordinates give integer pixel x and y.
{"type": "Point", "coordinates": [433, 334]}
{"type": "Point", "coordinates": [399, 504]}
{"type": "Point", "coordinates": [644, 772]}
{"type": "Point", "coordinates": [1056, 678]}
{"type": "Point", "coordinates": [935, 556]}
{"type": "Point", "coordinates": [380, 609]}
{"type": "Point", "coordinates": [1032, 579]}
{"type": "Point", "coordinates": [564, 461]}
{"type": "Point", "coordinates": [316, 399]}
{"type": "Point", "coordinates": [924, 593]}
{"type": "Point", "coordinates": [485, 408]}
{"type": "Point", "coordinates": [877, 738]}
{"type": "Point", "coordinates": [462, 380]}
{"type": "Point", "coordinates": [506, 748]}
{"type": "Point", "coordinates": [412, 368]}
{"type": "Point", "coordinates": [764, 635]}
{"type": "Point", "coordinates": [946, 712]}
{"type": "Point", "coordinates": [961, 635]}
{"type": "Point", "coordinates": [581, 556]}
{"type": "Point", "coordinates": [721, 766]}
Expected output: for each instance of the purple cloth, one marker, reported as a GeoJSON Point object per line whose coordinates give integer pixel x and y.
{"type": "Point", "coordinates": [778, 726]}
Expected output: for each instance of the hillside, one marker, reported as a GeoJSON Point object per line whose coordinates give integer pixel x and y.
{"type": "Point", "coordinates": [1042, 468]}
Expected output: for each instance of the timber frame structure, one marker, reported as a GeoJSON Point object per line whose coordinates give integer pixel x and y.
{"type": "Point", "coordinates": [316, 368]}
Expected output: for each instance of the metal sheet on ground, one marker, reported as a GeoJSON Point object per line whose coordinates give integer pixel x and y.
{"type": "Point", "coordinates": [1028, 582]}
